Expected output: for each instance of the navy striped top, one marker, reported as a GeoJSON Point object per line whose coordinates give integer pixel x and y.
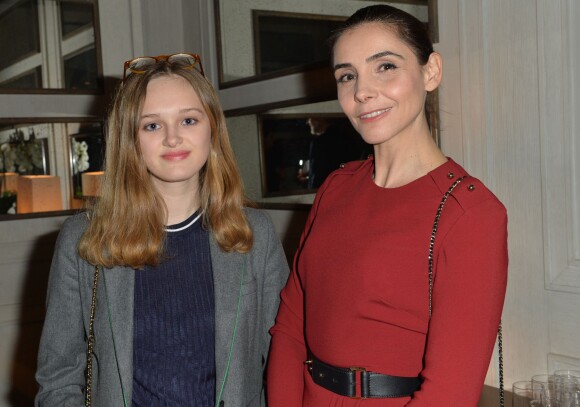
{"type": "Point", "coordinates": [173, 344]}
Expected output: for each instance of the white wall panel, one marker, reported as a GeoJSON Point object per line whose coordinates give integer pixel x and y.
{"type": "Point", "coordinates": [560, 103]}
{"type": "Point", "coordinates": [519, 97]}
{"type": "Point", "coordinates": [500, 133]}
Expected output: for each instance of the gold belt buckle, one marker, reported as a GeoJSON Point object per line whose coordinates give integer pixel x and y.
{"type": "Point", "coordinates": [356, 369]}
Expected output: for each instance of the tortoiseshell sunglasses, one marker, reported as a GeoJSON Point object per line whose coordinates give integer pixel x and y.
{"type": "Point", "coordinates": [141, 64]}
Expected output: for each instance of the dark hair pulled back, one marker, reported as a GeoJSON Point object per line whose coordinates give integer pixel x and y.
{"type": "Point", "coordinates": [412, 31]}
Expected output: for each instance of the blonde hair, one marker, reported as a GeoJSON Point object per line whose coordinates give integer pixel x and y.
{"type": "Point", "coordinates": [126, 226]}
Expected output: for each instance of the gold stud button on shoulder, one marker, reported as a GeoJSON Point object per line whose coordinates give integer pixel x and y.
{"type": "Point", "coordinates": [450, 175]}
{"type": "Point", "coordinates": [471, 187]}
{"type": "Point", "coordinates": [342, 165]}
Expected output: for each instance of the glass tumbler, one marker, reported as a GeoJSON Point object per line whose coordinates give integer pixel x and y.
{"type": "Point", "coordinates": [522, 395]}
{"type": "Point", "coordinates": [544, 390]}
{"type": "Point", "coordinates": [567, 386]}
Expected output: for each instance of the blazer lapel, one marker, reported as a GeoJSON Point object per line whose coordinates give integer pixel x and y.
{"type": "Point", "coordinates": [227, 274]}
{"type": "Point", "coordinates": [119, 283]}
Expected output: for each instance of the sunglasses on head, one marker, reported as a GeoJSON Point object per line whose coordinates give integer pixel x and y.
{"type": "Point", "coordinates": [140, 65]}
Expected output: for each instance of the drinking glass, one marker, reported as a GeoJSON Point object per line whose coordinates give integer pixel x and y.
{"type": "Point", "coordinates": [567, 386]}
{"type": "Point", "coordinates": [544, 390]}
{"type": "Point", "coordinates": [569, 399]}
{"type": "Point", "coordinates": [522, 395]}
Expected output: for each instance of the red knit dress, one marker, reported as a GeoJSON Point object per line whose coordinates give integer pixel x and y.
{"type": "Point", "coordinates": [358, 293]}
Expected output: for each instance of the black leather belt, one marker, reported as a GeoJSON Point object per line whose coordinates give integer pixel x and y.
{"type": "Point", "coordinates": [357, 382]}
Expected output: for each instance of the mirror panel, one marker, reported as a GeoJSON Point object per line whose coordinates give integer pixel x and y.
{"type": "Point", "coordinates": [49, 45]}
{"type": "Point", "coordinates": [299, 150]}
{"type": "Point", "coordinates": [87, 150]}
{"type": "Point", "coordinates": [20, 21]}
{"type": "Point", "coordinates": [260, 39]}
{"type": "Point", "coordinates": [75, 17]}
{"type": "Point", "coordinates": [303, 37]}
{"type": "Point", "coordinates": [39, 157]}
{"type": "Point", "coordinates": [255, 150]}
{"type": "Point", "coordinates": [25, 152]}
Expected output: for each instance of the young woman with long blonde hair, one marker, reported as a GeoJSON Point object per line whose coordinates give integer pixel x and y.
{"type": "Point", "coordinates": [163, 292]}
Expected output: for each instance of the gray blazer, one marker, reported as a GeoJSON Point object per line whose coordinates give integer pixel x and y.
{"type": "Point", "coordinates": [62, 355]}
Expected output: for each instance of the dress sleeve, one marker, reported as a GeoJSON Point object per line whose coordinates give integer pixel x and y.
{"type": "Point", "coordinates": [62, 352]}
{"type": "Point", "coordinates": [275, 275]}
{"type": "Point", "coordinates": [468, 297]}
{"type": "Point", "coordinates": [288, 351]}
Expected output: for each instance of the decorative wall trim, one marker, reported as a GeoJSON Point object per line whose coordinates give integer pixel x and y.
{"type": "Point", "coordinates": [559, 362]}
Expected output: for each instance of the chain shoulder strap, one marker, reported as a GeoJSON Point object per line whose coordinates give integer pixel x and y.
{"type": "Point", "coordinates": [431, 247]}
{"type": "Point", "coordinates": [91, 341]}
{"type": "Point", "coordinates": [500, 363]}
{"type": "Point", "coordinates": [432, 239]}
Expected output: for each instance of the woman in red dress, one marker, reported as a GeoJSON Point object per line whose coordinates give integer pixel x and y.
{"type": "Point", "coordinates": [358, 323]}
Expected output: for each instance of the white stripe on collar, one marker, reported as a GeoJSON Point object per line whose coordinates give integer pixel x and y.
{"type": "Point", "coordinates": [186, 226]}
